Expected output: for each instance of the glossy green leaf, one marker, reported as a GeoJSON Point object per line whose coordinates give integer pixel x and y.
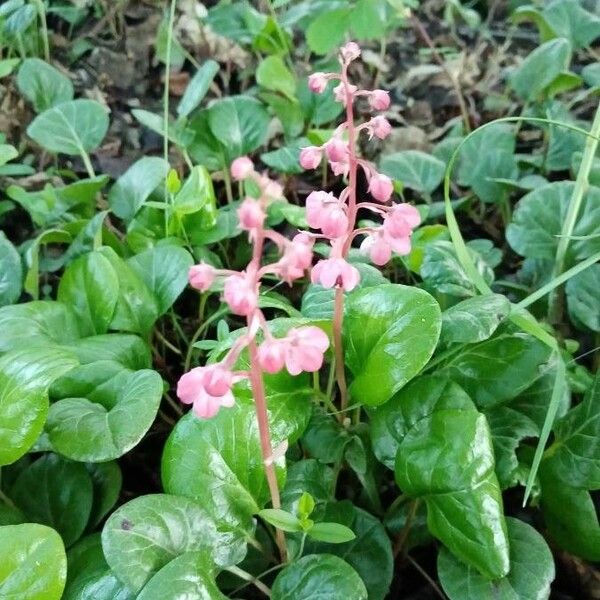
{"type": "Point", "coordinates": [540, 68]}
{"type": "Point", "coordinates": [497, 369]}
{"type": "Point", "coordinates": [197, 88]}
{"type": "Point", "coordinates": [70, 127]}
{"type": "Point", "coordinates": [128, 350]}
{"type": "Point", "coordinates": [583, 300]}
{"type": "Point", "coordinates": [325, 437]}
{"type": "Point", "coordinates": [43, 85]}
{"type": "Point", "coordinates": [11, 272]}
{"type": "Point", "coordinates": [318, 576]}
{"type": "Point", "coordinates": [33, 565]}
{"type": "Point", "coordinates": [147, 533]}
{"type": "Point", "coordinates": [281, 519]}
{"type": "Point", "coordinates": [474, 320]}
{"type": "Point", "coordinates": [308, 475]}
{"type": "Point", "coordinates": [272, 74]}
{"type": "Point", "coordinates": [101, 411]}
{"type": "Point", "coordinates": [89, 576]}
{"type": "Point", "coordinates": [575, 453]}
{"type": "Point", "coordinates": [415, 169]}
{"type": "Point", "coordinates": [90, 287]}
{"type": "Point", "coordinates": [133, 188]}
{"type": "Point", "coordinates": [327, 30]}
{"type": "Point", "coordinates": [190, 576]}
{"type": "Point", "coordinates": [445, 456]}
{"type": "Point", "coordinates": [331, 533]}
{"type": "Point", "coordinates": [164, 270]}
{"type": "Point", "coordinates": [531, 570]}
{"type": "Point", "coordinates": [380, 329]}
{"type": "Point", "coordinates": [538, 220]}
{"type": "Point", "coordinates": [239, 123]}
{"type": "Point", "coordinates": [197, 195]}
{"type": "Point", "coordinates": [419, 399]}
{"type": "Point", "coordinates": [25, 376]}
{"type": "Point", "coordinates": [56, 492]}
{"type": "Point", "coordinates": [106, 482]}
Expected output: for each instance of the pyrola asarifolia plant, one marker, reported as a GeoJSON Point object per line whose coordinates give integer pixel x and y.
{"type": "Point", "coordinates": [336, 217]}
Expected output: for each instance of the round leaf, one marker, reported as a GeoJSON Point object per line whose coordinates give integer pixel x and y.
{"type": "Point", "coordinates": [106, 481]}
{"type": "Point", "coordinates": [530, 576]}
{"type": "Point", "coordinates": [42, 84]}
{"type": "Point", "coordinates": [415, 169]}
{"type": "Point", "coordinates": [381, 329]}
{"type": "Point", "coordinates": [33, 565]}
{"type": "Point", "coordinates": [583, 300]}
{"type": "Point", "coordinates": [144, 535]}
{"type": "Point", "coordinates": [318, 576]}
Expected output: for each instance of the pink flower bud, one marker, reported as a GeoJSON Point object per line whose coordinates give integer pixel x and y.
{"type": "Point", "coordinates": [217, 380]}
{"type": "Point", "coordinates": [334, 272]}
{"type": "Point", "coordinates": [317, 82]}
{"type": "Point", "coordinates": [377, 248]}
{"type": "Point", "coordinates": [240, 295]}
{"type": "Point", "coordinates": [380, 127]}
{"type": "Point", "coordinates": [201, 276]}
{"type": "Point", "coordinates": [381, 187]}
{"type": "Point", "coordinates": [315, 203]}
{"type": "Point", "coordinates": [339, 92]}
{"type": "Point", "coordinates": [296, 258]}
{"type": "Point", "coordinates": [207, 388]}
{"type": "Point", "coordinates": [310, 157]}
{"type": "Point", "coordinates": [241, 168]}
{"type": "Point", "coordinates": [334, 222]}
{"type": "Point", "coordinates": [401, 220]}
{"type": "Point", "coordinates": [379, 100]}
{"type": "Point", "coordinates": [336, 150]}
{"type": "Point", "coordinates": [271, 355]}
{"type": "Point", "coordinates": [305, 349]}
{"type": "Point", "coordinates": [350, 52]}
{"type": "Point", "coordinates": [250, 214]}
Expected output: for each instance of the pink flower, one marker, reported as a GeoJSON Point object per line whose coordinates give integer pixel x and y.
{"type": "Point", "coordinates": [379, 251]}
{"type": "Point", "coordinates": [271, 355]}
{"type": "Point", "coordinates": [381, 187]}
{"type": "Point", "coordinates": [350, 52]}
{"type": "Point", "coordinates": [332, 272]}
{"type": "Point", "coordinates": [334, 222]}
{"type": "Point", "coordinates": [336, 150]}
{"type": "Point", "coordinates": [379, 100]}
{"type": "Point", "coordinates": [401, 220]}
{"type": "Point", "coordinates": [296, 258]}
{"type": "Point", "coordinates": [379, 127]}
{"type": "Point", "coordinates": [305, 347]}
{"type": "Point", "coordinates": [207, 388]}
{"type": "Point", "coordinates": [201, 276]}
{"type": "Point", "coordinates": [271, 189]}
{"type": "Point", "coordinates": [250, 214]}
{"type": "Point", "coordinates": [310, 157]}
{"type": "Point", "coordinates": [317, 82]}
{"type": "Point", "coordinates": [241, 168]}
{"type": "Point", "coordinates": [315, 203]}
{"type": "Point", "coordinates": [340, 168]}
{"type": "Point", "coordinates": [339, 92]}
{"type": "Point", "coordinates": [240, 294]}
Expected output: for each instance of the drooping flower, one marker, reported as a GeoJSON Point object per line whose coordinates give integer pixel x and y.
{"type": "Point", "coordinates": [297, 258]}
{"type": "Point", "coordinates": [381, 187]}
{"type": "Point", "coordinates": [340, 94]}
{"type": "Point", "coordinates": [325, 212]}
{"type": "Point", "coordinates": [379, 127]}
{"type": "Point", "coordinates": [310, 157]}
{"type": "Point", "coordinates": [379, 100]}
{"type": "Point", "coordinates": [332, 272]}
{"type": "Point", "coordinates": [305, 349]}
{"type": "Point", "coordinates": [241, 168]}
{"type": "Point", "coordinates": [271, 355]}
{"type": "Point", "coordinates": [350, 51]}
{"type": "Point", "coordinates": [317, 82]}
{"type": "Point", "coordinates": [201, 276]}
{"type": "Point", "coordinates": [240, 294]}
{"type": "Point", "coordinates": [250, 214]}
{"type": "Point", "coordinates": [376, 247]}
{"type": "Point", "coordinates": [336, 150]}
{"type": "Point", "coordinates": [207, 388]}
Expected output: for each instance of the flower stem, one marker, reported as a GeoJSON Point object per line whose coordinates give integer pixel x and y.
{"type": "Point", "coordinates": [340, 374]}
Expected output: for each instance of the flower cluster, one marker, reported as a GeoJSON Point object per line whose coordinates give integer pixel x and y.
{"type": "Point", "coordinates": [336, 217]}
{"type": "Point", "coordinates": [208, 388]}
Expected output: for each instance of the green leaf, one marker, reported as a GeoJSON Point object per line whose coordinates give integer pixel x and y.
{"type": "Point", "coordinates": [327, 31]}
{"type": "Point", "coordinates": [575, 453]}
{"type": "Point", "coordinates": [474, 320]}
{"type": "Point", "coordinates": [419, 399]}
{"type": "Point", "coordinates": [134, 187]}
{"type": "Point", "coordinates": [540, 68]}
{"type": "Point", "coordinates": [319, 109]}
{"type": "Point", "coordinates": [147, 533]}
{"type": "Point", "coordinates": [189, 576]}
{"type": "Point", "coordinates": [498, 369]}
{"type": "Point", "coordinates": [70, 127]}
{"type": "Point", "coordinates": [101, 411]}
{"type": "Point", "coordinates": [286, 159]}
{"type": "Point", "coordinates": [569, 516]}
{"type": "Point", "coordinates": [318, 576]}
{"type": "Point", "coordinates": [368, 19]}
{"type": "Point", "coordinates": [197, 88]}
{"type": "Point", "coordinates": [197, 194]}
{"type": "Point", "coordinates": [128, 350]}
{"type": "Point", "coordinates": [203, 146]}
{"type": "Point", "coordinates": [33, 565]}
{"type": "Point", "coordinates": [539, 217]}
{"type": "Point", "coordinates": [415, 169]}
{"type": "Point", "coordinates": [272, 74]}
{"type": "Point", "coordinates": [369, 552]}
{"type": "Point", "coordinates": [7, 66]}
{"type": "Point", "coordinates": [20, 20]}
{"type": "Point", "coordinates": [11, 272]}
{"type": "Point", "coordinates": [164, 270]}
{"type": "Point", "coordinates": [569, 19]}
{"type": "Point", "coordinates": [583, 301]}
{"type": "Point", "coordinates": [332, 533]}
{"type": "Point", "coordinates": [56, 492]}
{"type": "Point", "coordinates": [308, 475]}
{"type": "Point", "coordinates": [380, 329]}
{"type": "Point", "coordinates": [531, 570]}
{"type": "Point", "coordinates": [239, 123]}
{"type": "Point", "coordinates": [89, 576]}
{"type": "Point", "coordinates": [25, 376]}
{"type": "Point", "coordinates": [106, 481]}
{"type": "Point", "coordinates": [43, 85]}
{"type": "Point", "coordinates": [281, 519]}
{"type": "Point", "coordinates": [90, 287]}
